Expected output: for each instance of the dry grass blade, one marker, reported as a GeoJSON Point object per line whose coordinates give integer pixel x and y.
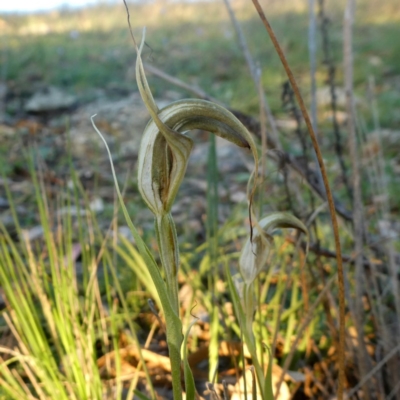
{"type": "Point", "coordinates": [358, 309]}
{"type": "Point", "coordinates": [328, 194]}
{"type": "Point", "coordinates": [198, 92]}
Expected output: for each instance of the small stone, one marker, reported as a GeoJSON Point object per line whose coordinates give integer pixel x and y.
{"type": "Point", "coordinates": [50, 99]}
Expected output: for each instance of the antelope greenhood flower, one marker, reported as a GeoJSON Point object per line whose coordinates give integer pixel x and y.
{"type": "Point", "coordinates": [164, 149]}
{"type": "Point", "coordinates": [254, 256]}
{"type": "Point", "coordinates": [255, 252]}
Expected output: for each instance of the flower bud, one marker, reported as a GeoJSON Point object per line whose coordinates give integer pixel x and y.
{"type": "Point", "coordinates": [255, 252]}
{"type": "Point", "coordinates": [254, 256]}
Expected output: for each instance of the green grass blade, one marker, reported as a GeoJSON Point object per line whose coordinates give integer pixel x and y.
{"type": "Point", "coordinates": [189, 380]}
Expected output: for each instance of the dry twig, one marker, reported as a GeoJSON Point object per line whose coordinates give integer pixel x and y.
{"type": "Point", "coordinates": [364, 361]}
{"type": "Point", "coordinates": [330, 65]}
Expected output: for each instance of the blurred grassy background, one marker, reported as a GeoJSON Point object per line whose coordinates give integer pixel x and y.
{"type": "Point", "coordinates": [91, 48]}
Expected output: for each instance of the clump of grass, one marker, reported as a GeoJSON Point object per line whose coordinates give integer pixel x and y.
{"type": "Point", "coordinates": [60, 313]}
{"type": "Point", "coordinates": [54, 320]}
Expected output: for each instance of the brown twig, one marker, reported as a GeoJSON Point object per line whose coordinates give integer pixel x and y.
{"type": "Point", "coordinates": [289, 103]}
{"type": "Point", "coordinates": [330, 65]}
{"type": "Point", "coordinates": [328, 194]}
{"type": "Point", "coordinates": [177, 82]}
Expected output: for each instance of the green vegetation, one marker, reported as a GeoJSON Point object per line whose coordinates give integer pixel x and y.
{"type": "Point", "coordinates": [89, 314]}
